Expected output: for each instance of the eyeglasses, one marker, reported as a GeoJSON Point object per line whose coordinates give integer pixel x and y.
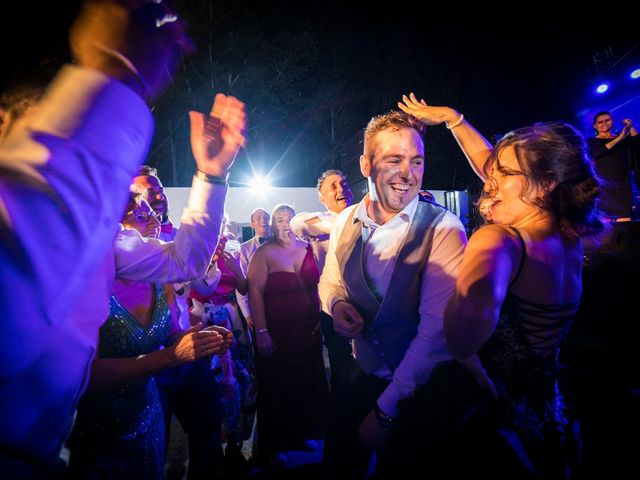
{"type": "Point", "coordinates": [142, 217]}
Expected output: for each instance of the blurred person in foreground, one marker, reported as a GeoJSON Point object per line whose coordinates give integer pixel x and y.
{"type": "Point", "coordinates": [89, 134]}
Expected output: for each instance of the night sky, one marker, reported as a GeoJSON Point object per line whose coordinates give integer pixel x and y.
{"type": "Point", "coordinates": [313, 75]}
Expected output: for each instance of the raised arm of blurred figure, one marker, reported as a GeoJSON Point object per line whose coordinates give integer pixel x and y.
{"type": "Point", "coordinates": [475, 147]}
{"type": "Point", "coordinates": [215, 142]}
{"type": "Point", "coordinates": [64, 172]}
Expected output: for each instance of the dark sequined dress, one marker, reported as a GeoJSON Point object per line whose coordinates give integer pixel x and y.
{"type": "Point", "coordinates": [120, 433]}
{"type": "Point", "coordinates": [521, 357]}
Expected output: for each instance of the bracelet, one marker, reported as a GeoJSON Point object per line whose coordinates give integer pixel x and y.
{"type": "Point", "coordinates": [384, 420]}
{"type": "Point", "coordinates": [262, 330]}
{"type": "Point", "coordinates": [456, 124]}
{"type": "Point", "coordinates": [211, 178]}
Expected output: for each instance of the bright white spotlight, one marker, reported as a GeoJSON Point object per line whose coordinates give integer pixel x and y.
{"type": "Point", "coordinates": [259, 183]}
{"type": "Point", "coordinates": [603, 87]}
{"type": "Point", "coordinates": [635, 74]}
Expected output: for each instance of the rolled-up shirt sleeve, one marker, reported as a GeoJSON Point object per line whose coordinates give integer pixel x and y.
{"type": "Point", "coordinates": [189, 255]}
{"type": "Point", "coordinates": [320, 229]}
{"type": "Point", "coordinates": [331, 287]}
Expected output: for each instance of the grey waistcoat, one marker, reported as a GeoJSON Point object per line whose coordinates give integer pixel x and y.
{"type": "Point", "coordinates": [390, 325]}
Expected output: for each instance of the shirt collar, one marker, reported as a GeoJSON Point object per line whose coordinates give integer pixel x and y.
{"type": "Point", "coordinates": [406, 214]}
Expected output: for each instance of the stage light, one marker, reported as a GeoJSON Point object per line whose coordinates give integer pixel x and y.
{"type": "Point", "coordinates": [260, 184]}
{"type": "Point", "coordinates": [603, 87]}
{"type": "Point", "coordinates": [635, 74]}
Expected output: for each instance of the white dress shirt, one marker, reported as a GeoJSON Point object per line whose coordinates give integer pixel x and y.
{"type": "Point", "coordinates": [316, 233]}
{"type": "Point", "coordinates": [247, 249]}
{"type": "Point", "coordinates": [381, 244]}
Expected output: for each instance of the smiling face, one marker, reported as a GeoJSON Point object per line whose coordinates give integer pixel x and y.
{"type": "Point", "coordinates": [335, 193]}
{"type": "Point", "coordinates": [603, 124]}
{"type": "Point", "coordinates": [143, 219]}
{"type": "Point", "coordinates": [153, 190]}
{"type": "Point", "coordinates": [260, 223]}
{"type": "Point", "coordinates": [280, 224]}
{"type": "Point", "coordinates": [395, 166]}
{"type": "Point", "coordinates": [513, 199]}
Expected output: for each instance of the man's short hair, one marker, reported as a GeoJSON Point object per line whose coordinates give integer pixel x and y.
{"type": "Point", "coordinates": [147, 171]}
{"type": "Point", "coordinates": [256, 211]}
{"type": "Point", "coordinates": [393, 120]}
{"type": "Point", "coordinates": [326, 174]}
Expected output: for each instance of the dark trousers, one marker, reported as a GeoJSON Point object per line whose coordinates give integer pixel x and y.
{"type": "Point", "coordinates": [193, 395]}
{"type": "Point", "coordinates": [434, 421]}
{"type": "Point", "coordinates": [448, 428]}
{"type": "Point", "coordinates": [434, 424]}
{"type": "Point", "coordinates": [338, 347]}
{"type": "Point", "coordinates": [353, 398]}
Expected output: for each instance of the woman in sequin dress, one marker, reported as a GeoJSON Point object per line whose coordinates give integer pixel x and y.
{"type": "Point", "coordinates": [119, 430]}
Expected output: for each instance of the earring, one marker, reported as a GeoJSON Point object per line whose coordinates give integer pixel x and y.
{"type": "Point", "coordinates": [539, 203]}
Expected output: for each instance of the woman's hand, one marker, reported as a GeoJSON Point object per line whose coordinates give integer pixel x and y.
{"type": "Point", "coordinates": [232, 261]}
{"type": "Point", "coordinates": [427, 114]}
{"type": "Point", "coordinates": [219, 250]}
{"type": "Point", "coordinates": [196, 343]}
{"type": "Point", "coordinates": [265, 344]}
{"type": "Point", "coordinates": [227, 336]}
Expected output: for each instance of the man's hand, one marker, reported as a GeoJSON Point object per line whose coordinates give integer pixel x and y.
{"type": "Point", "coordinates": [216, 138]}
{"type": "Point", "coordinates": [346, 319]}
{"type": "Point", "coordinates": [372, 435]}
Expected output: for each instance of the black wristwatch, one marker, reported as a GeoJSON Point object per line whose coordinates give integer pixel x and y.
{"type": "Point", "coordinates": [205, 177]}
{"type": "Point", "coordinates": [384, 420]}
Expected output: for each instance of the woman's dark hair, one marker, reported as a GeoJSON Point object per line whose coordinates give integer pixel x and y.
{"type": "Point", "coordinates": [599, 114]}
{"type": "Point", "coordinates": [555, 153]}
